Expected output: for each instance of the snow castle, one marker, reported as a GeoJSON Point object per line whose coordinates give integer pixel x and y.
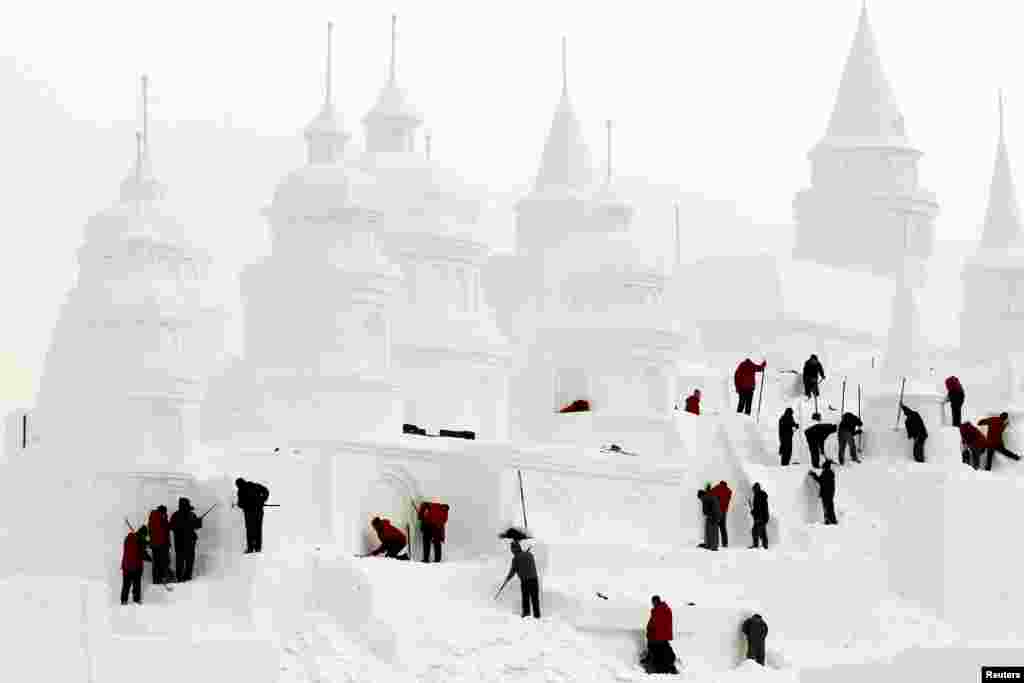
{"type": "Point", "coordinates": [381, 304]}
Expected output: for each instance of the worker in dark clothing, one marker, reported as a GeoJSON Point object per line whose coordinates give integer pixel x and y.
{"type": "Point", "coordinates": [661, 658]}
{"type": "Point", "coordinates": [955, 397]}
{"type": "Point", "coordinates": [433, 518]}
{"type": "Point", "coordinates": [759, 511]}
{"type": "Point", "coordinates": [724, 494]}
{"type": "Point", "coordinates": [915, 430]}
{"type": "Point", "coordinates": [756, 631]}
{"type": "Point", "coordinates": [816, 435]}
{"type": "Point", "coordinates": [994, 440]}
{"type": "Point", "coordinates": [974, 443]}
{"type": "Point", "coordinates": [392, 539]}
{"type": "Point", "coordinates": [184, 523]}
{"type": "Point", "coordinates": [160, 542]}
{"type": "Point", "coordinates": [787, 425]}
{"type": "Point", "coordinates": [813, 373]}
{"type": "Point", "coordinates": [525, 567]}
{"type": "Point", "coordinates": [251, 498]}
{"type": "Point", "coordinates": [827, 490]}
{"type": "Point", "coordinates": [745, 379]}
{"type": "Point", "coordinates": [133, 557]}
{"type": "Point", "coordinates": [849, 427]}
{"type": "Point", "coordinates": [711, 511]}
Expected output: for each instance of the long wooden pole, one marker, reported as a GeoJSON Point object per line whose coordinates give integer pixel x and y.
{"type": "Point", "coordinates": [522, 499]}
{"type": "Point", "coordinates": [760, 395]}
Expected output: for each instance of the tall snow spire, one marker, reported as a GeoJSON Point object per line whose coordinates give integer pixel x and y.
{"type": "Point", "coordinates": [565, 70]}
{"type": "Point", "coordinates": [145, 114]}
{"type": "Point", "coordinates": [325, 136]}
{"type": "Point", "coordinates": [865, 107]}
{"type": "Point", "coordinates": [140, 184]}
{"type": "Point", "coordinates": [327, 74]}
{"type": "Point", "coordinates": [565, 162]}
{"type": "Point", "coordinates": [1002, 217]}
{"type": "Point", "coordinates": [394, 35]}
{"type": "Point", "coordinates": [392, 122]}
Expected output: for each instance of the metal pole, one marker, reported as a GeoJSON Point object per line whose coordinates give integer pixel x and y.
{"type": "Point", "coordinates": [24, 431]}
{"type": "Point", "coordinates": [760, 395]}
{"type": "Point", "coordinates": [899, 412]}
{"type": "Point", "coordinates": [522, 499]}
{"type": "Point", "coordinates": [842, 401]}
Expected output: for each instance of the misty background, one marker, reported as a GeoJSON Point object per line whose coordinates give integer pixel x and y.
{"type": "Point", "coordinates": [715, 106]}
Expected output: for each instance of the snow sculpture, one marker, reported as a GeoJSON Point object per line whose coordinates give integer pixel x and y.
{"type": "Point", "coordinates": [136, 338]}
{"type": "Point", "coordinates": [864, 178]}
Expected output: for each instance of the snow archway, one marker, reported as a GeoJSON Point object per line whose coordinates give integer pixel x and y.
{"type": "Point", "coordinates": [393, 495]}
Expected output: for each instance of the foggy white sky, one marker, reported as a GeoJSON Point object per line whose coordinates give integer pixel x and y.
{"type": "Point", "coordinates": [723, 99]}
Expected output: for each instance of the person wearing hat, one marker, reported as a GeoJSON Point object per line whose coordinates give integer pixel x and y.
{"type": "Point", "coordinates": [827, 484]}
{"type": "Point", "coordinates": [133, 557]}
{"type": "Point", "coordinates": [525, 567]}
{"type": "Point", "coordinates": [184, 523]}
{"type": "Point", "coordinates": [160, 541]}
{"type": "Point", "coordinates": [252, 496]}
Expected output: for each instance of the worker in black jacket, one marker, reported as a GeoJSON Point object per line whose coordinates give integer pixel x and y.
{"type": "Point", "coordinates": [525, 567]}
{"type": "Point", "coordinates": [849, 426]}
{"type": "Point", "coordinates": [756, 632]}
{"type": "Point", "coordinates": [827, 485]}
{"type": "Point", "coordinates": [251, 498]}
{"type": "Point", "coordinates": [915, 431]}
{"type": "Point", "coordinates": [816, 435]}
{"type": "Point", "coordinates": [759, 511]}
{"type": "Point", "coordinates": [813, 373]}
{"type": "Point", "coordinates": [787, 425]}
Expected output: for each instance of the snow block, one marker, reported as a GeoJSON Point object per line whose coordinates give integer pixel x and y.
{"type": "Point", "coordinates": [230, 657]}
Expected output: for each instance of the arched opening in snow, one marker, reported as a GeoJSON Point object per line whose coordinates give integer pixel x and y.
{"type": "Point", "coordinates": [392, 496]}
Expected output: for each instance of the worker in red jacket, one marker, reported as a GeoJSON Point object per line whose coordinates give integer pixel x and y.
{"type": "Point", "coordinates": [160, 541]}
{"type": "Point", "coordinates": [433, 518]}
{"type": "Point", "coordinates": [973, 442]}
{"type": "Point", "coordinates": [693, 402]}
{"type": "Point", "coordinates": [955, 396]}
{"type": "Point", "coordinates": [745, 380]}
{"type": "Point", "coordinates": [724, 494]}
{"type": "Point", "coordinates": [133, 556]}
{"type": "Point", "coordinates": [661, 659]}
{"type": "Point", "coordinates": [392, 540]}
{"type": "Point", "coordinates": [994, 442]}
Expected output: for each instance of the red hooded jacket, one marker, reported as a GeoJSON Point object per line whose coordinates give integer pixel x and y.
{"type": "Point", "coordinates": [434, 515]}
{"type": "Point", "coordinates": [659, 626]}
{"type": "Point", "coordinates": [953, 386]}
{"type": "Point", "coordinates": [972, 436]}
{"type": "Point", "coordinates": [693, 404]}
{"type": "Point", "coordinates": [387, 533]}
{"type": "Point", "coordinates": [745, 377]}
{"type": "Point", "coordinates": [996, 426]}
{"type": "Point", "coordinates": [132, 555]}
{"type": "Point", "coordinates": [724, 494]}
{"type": "Point", "coordinates": [159, 529]}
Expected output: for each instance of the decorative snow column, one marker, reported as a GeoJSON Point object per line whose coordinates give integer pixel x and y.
{"type": "Point", "coordinates": [864, 189]}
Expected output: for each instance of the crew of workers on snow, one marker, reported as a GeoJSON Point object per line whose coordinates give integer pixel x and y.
{"type": "Point", "coordinates": [433, 516]}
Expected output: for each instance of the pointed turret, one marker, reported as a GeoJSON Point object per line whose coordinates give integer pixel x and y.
{"type": "Point", "coordinates": [325, 136]}
{"type": "Point", "coordinates": [392, 122]}
{"type": "Point", "coordinates": [865, 109]}
{"type": "Point", "coordinates": [565, 163]}
{"type": "Point", "coordinates": [1002, 218]}
{"type": "Point", "coordinates": [140, 184]}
